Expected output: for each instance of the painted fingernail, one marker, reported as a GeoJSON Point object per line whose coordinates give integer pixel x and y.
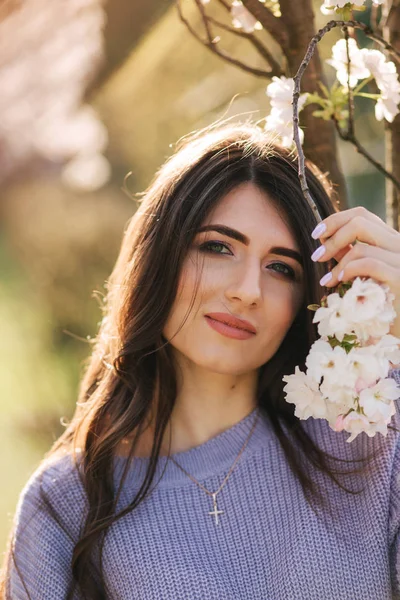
{"type": "Point", "coordinates": [319, 230]}
{"type": "Point", "coordinates": [325, 278]}
{"type": "Point", "coordinates": [340, 276]}
{"type": "Point", "coordinates": [318, 253]}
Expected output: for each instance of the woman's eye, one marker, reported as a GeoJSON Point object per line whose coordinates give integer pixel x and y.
{"type": "Point", "coordinates": [209, 247]}
{"type": "Point", "coordinates": [284, 269]}
{"type": "Point", "coordinates": [217, 247]}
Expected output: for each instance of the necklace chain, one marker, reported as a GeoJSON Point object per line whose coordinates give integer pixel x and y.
{"type": "Point", "coordinates": [214, 494]}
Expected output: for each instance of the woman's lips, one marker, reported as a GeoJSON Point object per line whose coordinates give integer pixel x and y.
{"type": "Point", "coordinates": [231, 332]}
{"type": "Point", "coordinates": [232, 321]}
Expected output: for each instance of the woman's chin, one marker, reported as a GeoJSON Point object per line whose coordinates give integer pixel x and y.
{"type": "Point", "coordinates": [223, 367]}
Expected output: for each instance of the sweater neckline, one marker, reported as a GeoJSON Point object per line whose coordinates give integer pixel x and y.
{"type": "Point", "coordinates": [205, 460]}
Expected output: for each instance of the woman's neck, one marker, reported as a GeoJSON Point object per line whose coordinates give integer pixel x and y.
{"type": "Point", "coordinates": [205, 407]}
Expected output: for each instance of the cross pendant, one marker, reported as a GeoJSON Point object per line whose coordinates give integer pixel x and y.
{"type": "Point", "coordinates": [215, 512]}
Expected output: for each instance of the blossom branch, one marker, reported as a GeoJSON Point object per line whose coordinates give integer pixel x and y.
{"type": "Point", "coordinates": [211, 42]}
{"type": "Point", "coordinates": [349, 136]}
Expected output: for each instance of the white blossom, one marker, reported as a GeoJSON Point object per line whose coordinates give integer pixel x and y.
{"type": "Point", "coordinates": [364, 300]}
{"type": "Point", "coordinates": [279, 121]}
{"type": "Point", "coordinates": [342, 397]}
{"type": "Point", "coordinates": [365, 310]}
{"type": "Point", "coordinates": [331, 318]}
{"type": "Point", "coordinates": [355, 423]}
{"type": "Point", "coordinates": [377, 401]}
{"type": "Point", "coordinates": [387, 347]}
{"type": "Point", "coordinates": [347, 382]}
{"type": "Point", "coordinates": [366, 63]}
{"type": "Point", "coordinates": [281, 128]}
{"type": "Point", "coordinates": [335, 409]}
{"type": "Point", "coordinates": [386, 108]}
{"type": "Point", "coordinates": [303, 392]}
{"type": "Point", "coordinates": [369, 305]}
{"type": "Point", "coordinates": [339, 61]}
{"type": "Point", "coordinates": [242, 18]}
{"type": "Point", "coordinates": [280, 91]}
{"type": "Point", "coordinates": [366, 366]}
{"type": "Point", "coordinates": [386, 77]}
{"type": "Point", "coordinates": [326, 362]}
{"type": "Point", "coordinates": [384, 71]}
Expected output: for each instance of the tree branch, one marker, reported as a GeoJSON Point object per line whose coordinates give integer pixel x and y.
{"type": "Point", "coordinates": [274, 25]}
{"type": "Point", "coordinates": [276, 69]}
{"type": "Point", "coordinates": [347, 136]}
{"type": "Point", "coordinates": [210, 43]}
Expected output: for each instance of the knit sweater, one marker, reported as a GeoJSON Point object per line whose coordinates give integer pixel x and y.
{"type": "Point", "coordinates": [268, 543]}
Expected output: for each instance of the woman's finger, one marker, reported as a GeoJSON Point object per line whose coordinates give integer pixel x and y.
{"type": "Point", "coordinates": [331, 224]}
{"type": "Point", "coordinates": [358, 229]}
{"type": "Point", "coordinates": [357, 252]}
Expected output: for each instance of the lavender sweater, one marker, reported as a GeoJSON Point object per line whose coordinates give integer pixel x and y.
{"type": "Point", "coordinates": [268, 544]}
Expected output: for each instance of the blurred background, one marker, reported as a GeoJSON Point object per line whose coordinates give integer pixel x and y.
{"type": "Point", "coordinates": [89, 93]}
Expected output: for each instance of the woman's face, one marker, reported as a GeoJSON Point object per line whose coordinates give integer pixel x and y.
{"type": "Point", "coordinates": [251, 279]}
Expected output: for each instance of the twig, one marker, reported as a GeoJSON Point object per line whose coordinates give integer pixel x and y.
{"type": "Point", "coordinates": [374, 17]}
{"type": "Point", "coordinates": [261, 49]}
{"type": "Point", "coordinates": [274, 25]}
{"type": "Point", "coordinates": [349, 136]}
{"type": "Point", "coordinates": [276, 68]}
{"type": "Point", "coordinates": [207, 27]}
{"type": "Point", "coordinates": [211, 43]}
{"type": "Point", "coordinates": [371, 34]}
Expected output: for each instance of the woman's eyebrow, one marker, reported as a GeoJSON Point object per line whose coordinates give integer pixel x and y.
{"type": "Point", "coordinates": [240, 237]}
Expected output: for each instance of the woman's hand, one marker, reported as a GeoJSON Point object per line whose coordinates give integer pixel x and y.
{"type": "Point", "coordinates": [376, 253]}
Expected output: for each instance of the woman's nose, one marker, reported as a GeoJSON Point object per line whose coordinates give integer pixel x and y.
{"type": "Point", "coordinates": [246, 284]}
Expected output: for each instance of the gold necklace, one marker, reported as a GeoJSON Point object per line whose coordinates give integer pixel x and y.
{"type": "Point", "coordinates": [215, 512]}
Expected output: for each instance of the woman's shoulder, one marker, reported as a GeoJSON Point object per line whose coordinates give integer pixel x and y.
{"type": "Point", "coordinates": [55, 474]}
{"type": "Point", "coordinates": [46, 527]}
{"type": "Point", "coordinates": [55, 487]}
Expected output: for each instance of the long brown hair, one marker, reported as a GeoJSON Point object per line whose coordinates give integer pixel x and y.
{"type": "Point", "coordinates": [130, 373]}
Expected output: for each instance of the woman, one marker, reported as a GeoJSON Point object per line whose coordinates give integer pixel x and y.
{"type": "Point", "coordinates": [184, 473]}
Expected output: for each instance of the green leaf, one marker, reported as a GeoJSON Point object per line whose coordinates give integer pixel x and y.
{"type": "Point", "coordinates": [349, 337]}
{"type": "Point", "coordinates": [315, 99]}
{"type": "Point", "coordinates": [365, 95]}
{"type": "Point", "coordinates": [313, 307]}
{"type": "Point", "coordinates": [363, 83]}
{"type": "Point", "coordinates": [323, 114]}
{"type": "Point", "coordinates": [324, 89]}
{"type": "Point", "coordinates": [343, 287]}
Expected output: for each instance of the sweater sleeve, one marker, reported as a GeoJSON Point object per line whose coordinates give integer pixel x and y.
{"type": "Point", "coordinates": [40, 562]}
{"type": "Point", "coordinates": [394, 507]}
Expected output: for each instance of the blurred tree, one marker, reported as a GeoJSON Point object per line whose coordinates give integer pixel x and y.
{"type": "Point", "coordinates": [126, 24]}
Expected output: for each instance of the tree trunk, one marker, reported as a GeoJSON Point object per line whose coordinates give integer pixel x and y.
{"type": "Point", "coordinates": [293, 31]}
{"type": "Point", "coordinates": [320, 140]}
{"type": "Point", "coordinates": [126, 24]}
